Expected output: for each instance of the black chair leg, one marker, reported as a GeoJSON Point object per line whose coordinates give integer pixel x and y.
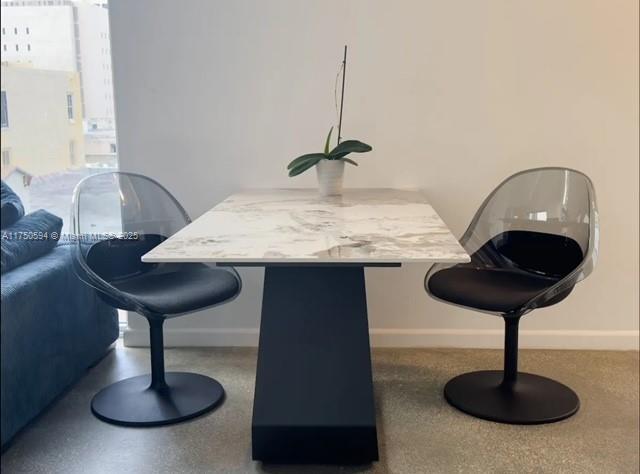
{"type": "Point", "coordinates": [510, 350]}
{"type": "Point", "coordinates": [159, 398]}
{"type": "Point", "coordinates": [156, 346]}
{"type": "Point", "coordinates": [509, 396]}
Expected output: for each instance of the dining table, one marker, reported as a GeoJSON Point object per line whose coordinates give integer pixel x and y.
{"type": "Point", "coordinates": [314, 395]}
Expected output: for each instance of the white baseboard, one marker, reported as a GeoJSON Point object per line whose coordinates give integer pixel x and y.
{"type": "Point", "coordinates": [458, 338]}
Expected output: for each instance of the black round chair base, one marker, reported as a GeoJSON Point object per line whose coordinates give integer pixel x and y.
{"type": "Point", "coordinates": [131, 402]}
{"type": "Point", "coordinates": [532, 399]}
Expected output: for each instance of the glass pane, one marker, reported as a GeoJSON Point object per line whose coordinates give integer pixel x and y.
{"type": "Point", "coordinates": [58, 123]}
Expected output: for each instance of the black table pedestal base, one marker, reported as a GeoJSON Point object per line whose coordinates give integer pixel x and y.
{"type": "Point", "coordinates": [530, 399]}
{"type": "Point", "coordinates": [314, 392]}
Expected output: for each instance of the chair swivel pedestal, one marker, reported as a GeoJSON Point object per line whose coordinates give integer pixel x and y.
{"type": "Point", "coordinates": [510, 396]}
{"type": "Point", "coordinates": [159, 398]}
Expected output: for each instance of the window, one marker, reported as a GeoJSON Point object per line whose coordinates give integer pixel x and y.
{"type": "Point", "coordinates": [74, 140]}
{"type": "Point", "coordinates": [72, 152]}
{"type": "Point", "coordinates": [112, 147]}
{"type": "Point", "coordinates": [70, 106]}
{"type": "Point", "coordinates": [4, 110]}
{"type": "Point", "coordinates": [6, 157]}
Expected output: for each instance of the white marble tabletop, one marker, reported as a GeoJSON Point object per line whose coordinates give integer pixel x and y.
{"type": "Point", "coordinates": [299, 226]}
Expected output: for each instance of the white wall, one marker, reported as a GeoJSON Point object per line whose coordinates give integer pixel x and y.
{"type": "Point", "coordinates": [216, 96]}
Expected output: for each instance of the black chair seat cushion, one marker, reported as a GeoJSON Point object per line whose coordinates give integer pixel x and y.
{"type": "Point", "coordinates": [488, 289]}
{"type": "Point", "coordinates": [189, 288]}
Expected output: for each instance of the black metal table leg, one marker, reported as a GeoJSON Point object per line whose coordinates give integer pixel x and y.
{"type": "Point", "coordinates": [314, 391]}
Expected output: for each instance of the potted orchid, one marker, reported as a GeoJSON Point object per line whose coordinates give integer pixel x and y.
{"type": "Point", "coordinates": [330, 163]}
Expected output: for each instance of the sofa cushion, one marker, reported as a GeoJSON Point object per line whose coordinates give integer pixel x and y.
{"type": "Point", "coordinates": [12, 208]}
{"type": "Point", "coordinates": [31, 237]}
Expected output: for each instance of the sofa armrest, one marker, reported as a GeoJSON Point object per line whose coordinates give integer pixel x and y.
{"type": "Point", "coordinates": [53, 327]}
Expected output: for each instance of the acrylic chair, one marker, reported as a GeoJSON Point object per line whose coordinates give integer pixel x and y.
{"type": "Point", "coordinates": [118, 217]}
{"type": "Point", "coordinates": [534, 237]}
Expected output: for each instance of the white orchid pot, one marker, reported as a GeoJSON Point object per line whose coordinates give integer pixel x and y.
{"type": "Point", "coordinates": [330, 174]}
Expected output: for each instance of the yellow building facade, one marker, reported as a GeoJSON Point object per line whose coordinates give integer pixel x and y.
{"type": "Point", "coordinates": [42, 121]}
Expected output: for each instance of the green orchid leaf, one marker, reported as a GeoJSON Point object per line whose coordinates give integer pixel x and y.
{"type": "Point", "coordinates": [351, 162]}
{"type": "Point", "coordinates": [326, 144]}
{"type": "Point", "coordinates": [305, 165]}
{"type": "Point", "coordinates": [349, 146]}
{"type": "Point", "coordinates": [304, 158]}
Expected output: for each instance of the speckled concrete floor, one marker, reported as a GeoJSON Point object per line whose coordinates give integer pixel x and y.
{"type": "Point", "coordinates": [418, 431]}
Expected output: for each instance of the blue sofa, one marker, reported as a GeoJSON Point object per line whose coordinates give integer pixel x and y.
{"type": "Point", "coordinates": [54, 327]}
